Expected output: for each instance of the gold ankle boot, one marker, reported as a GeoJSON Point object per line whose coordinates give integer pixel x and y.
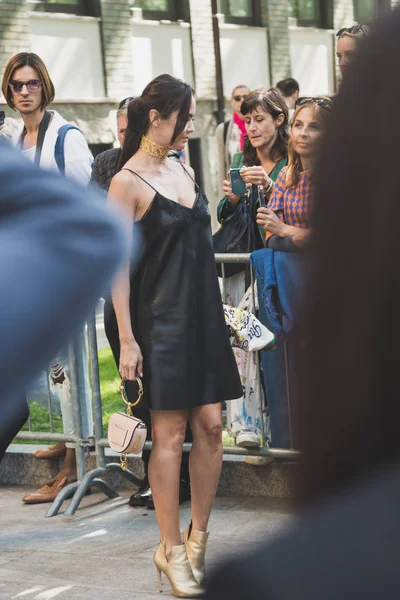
{"type": "Point", "coordinates": [177, 569]}
{"type": "Point", "coordinates": [196, 542]}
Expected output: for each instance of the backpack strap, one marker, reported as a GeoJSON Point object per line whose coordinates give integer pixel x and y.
{"type": "Point", "coordinates": [59, 155]}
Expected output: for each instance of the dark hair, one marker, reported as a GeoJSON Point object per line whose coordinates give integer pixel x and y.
{"type": "Point", "coordinates": [349, 408]}
{"type": "Point", "coordinates": [28, 59]}
{"type": "Point", "coordinates": [273, 102]}
{"type": "Point", "coordinates": [166, 94]}
{"type": "Point", "coordinates": [288, 86]}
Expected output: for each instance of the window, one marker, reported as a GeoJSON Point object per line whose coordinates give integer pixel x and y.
{"type": "Point", "coordinates": [246, 12]}
{"type": "Point", "coordinates": [364, 11]}
{"type": "Point", "coordinates": [77, 7]}
{"type": "Point", "coordinates": [312, 13]}
{"type": "Point", "coordinates": [171, 10]}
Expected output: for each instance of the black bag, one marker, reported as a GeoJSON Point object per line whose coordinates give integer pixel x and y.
{"type": "Point", "coordinates": [236, 236]}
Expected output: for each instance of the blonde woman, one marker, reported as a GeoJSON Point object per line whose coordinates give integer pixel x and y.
{"type": "Point", "coordinates": [286, 220]}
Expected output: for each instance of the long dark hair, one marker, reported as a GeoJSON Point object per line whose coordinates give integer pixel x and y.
{"type": "Point", "coordinates": [28, 59]}
{"type": "Point", "coordinates": [166, 94]}
{"type": "Point", "coordinates": [349, 403]}
{"type": "Point", "coordinates": [273, 102]}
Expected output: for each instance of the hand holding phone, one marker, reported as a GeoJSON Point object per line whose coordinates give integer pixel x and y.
{"type": "Point", "coordinates": [237, 184]}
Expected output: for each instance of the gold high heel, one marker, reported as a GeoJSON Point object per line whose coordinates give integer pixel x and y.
{"type": "Point", "coordinates": [177, 569]}
{"type": "Point", "coordinates": [196, 542]}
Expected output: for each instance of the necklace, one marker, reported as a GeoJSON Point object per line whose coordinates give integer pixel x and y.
{"type": "Point", "coordinates": [154, 149]}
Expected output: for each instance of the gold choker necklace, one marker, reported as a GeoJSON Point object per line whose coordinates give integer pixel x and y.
{"type": "Point", "coordinates": [154, 149]}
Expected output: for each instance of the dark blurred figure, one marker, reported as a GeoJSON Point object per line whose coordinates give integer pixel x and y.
{"type": "Point", "coordinates": [60, 247]}
{"type": "Point", "coordinates": [347, 543]}
{"type": "Point", "coordinates": [290, 89]}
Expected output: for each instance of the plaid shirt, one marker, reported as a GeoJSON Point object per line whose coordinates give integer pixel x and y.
{"type": "Point", "coordinates": [292, 205]}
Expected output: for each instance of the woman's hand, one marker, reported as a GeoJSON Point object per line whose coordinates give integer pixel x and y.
{"type": "Point", "coordinates": [302, 238]}
{"type": "Point", "coordinates": [270, 222]}
{"type": "Point", "coordinates": [227, 189]}
{"type": "Point", "coordinates": [256, 176]}
{"type": "Point", "coordinates": [130, 360]}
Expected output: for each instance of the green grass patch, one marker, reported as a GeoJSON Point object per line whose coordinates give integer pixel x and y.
{"type": "Point", "coordinates": [111, 400]}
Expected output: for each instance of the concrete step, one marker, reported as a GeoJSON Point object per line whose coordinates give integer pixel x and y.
{"type": "Point", "coordinates": [238, 478]}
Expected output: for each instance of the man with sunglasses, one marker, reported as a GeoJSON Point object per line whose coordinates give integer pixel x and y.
{"type": "Point", "coordinates": [230, 135]}
{"type": "Point", "coordinates": [348, 42]}
{"type": "Point", "coordinates": [28, 89]}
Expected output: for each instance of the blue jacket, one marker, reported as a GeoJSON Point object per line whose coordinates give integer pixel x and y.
{"type": "Point", "coordinates": [280, 278]}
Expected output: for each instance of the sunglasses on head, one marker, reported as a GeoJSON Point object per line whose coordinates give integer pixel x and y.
{"type": "Point", "coordinates": [125, 101]}
{"type": "Point", "coordinates": [352, 30]}
{"type": "Point", "coordinates": [239, 98]}
{"type": "Point", "coordinates": [32, 85]}
{"type": "Point", "coordinates": [322, 102]}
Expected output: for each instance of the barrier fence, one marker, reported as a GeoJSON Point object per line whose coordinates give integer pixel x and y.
{"type": "Point", "coordinates": [84, 443]}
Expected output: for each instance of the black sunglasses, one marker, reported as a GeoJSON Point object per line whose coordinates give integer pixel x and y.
{"type": "Point", "coordinates": [322, 102]}
{"type": "Point", "coordinates": [125, 101]}
{"type": "Point", "coordinates": [352, 30]}
{"type": "Point", "coordinates": [32, 85]}
{"type": "Point", "coordinates": [239, 98]}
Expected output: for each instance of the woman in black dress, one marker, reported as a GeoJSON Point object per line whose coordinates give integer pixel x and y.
{"type": "Point", "coordinates": [170, 322]}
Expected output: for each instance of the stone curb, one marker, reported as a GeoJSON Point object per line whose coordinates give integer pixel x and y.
{"type": "Point", "coordinates": [238, 478]}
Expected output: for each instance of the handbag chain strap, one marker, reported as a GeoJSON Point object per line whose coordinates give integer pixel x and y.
{"type": "Point", "coordinates": [122, 391]}
{"type": "Point", "coordinates": [129, 405]}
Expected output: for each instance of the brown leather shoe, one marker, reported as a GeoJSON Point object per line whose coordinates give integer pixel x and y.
{"type": "Point", "coordinates": [55, 451]}
{"type": "Point", "coordinates": [48, 492]}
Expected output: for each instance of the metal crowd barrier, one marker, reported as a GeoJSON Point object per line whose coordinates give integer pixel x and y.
{"type": "Point", "coordinates": [93, 478]}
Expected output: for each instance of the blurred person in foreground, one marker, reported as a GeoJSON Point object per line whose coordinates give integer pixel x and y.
{"type": "Point", "coordinates": [347, 542]}
{"type": "Point", "coordinates": [60, 247]}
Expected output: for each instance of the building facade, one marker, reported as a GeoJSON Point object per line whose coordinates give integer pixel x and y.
{"type": "Point", "coordinates": [100, 51]}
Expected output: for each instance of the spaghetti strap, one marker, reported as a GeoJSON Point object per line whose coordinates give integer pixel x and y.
{"type": "Point", "coordinates": [140, 177]}
{"type": "Point", "coordinates": [186, 171]}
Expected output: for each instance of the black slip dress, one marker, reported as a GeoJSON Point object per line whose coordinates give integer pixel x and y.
{"type": "Point", "coordinates": [176, 310]}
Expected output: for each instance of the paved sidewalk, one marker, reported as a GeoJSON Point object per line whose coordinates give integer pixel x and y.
{"type": "Point", "coordinates": [106, 550]}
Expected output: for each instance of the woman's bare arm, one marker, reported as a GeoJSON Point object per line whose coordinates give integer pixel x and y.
{"type": "Point", "coordinates": [122, 196]}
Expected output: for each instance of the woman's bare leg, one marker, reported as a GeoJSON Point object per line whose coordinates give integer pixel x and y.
{"type": "Point", "coordinates": [205, 461]}
{"type": "Point", "coordinates": [168, 435]}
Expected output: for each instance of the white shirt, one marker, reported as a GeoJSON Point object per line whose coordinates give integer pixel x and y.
{"type": "Point", "coordinates": [78, 158]}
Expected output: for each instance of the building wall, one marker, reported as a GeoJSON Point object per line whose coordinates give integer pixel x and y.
{"type": "Point", "coordinates": [116, 36]}
{"type": "Point", "coordinates": [240, 66]}
{"type": "Point", "coordinates": [158, 49]}
{"type": "Point", "coordinates": [275, 19]}
{"type": "Point", "coordinates": [119, 54]}
{"type": "Point", "coordinates": [63, 42]}
{"type": "Point", "coordinates": [14, 29]}
{"type": "Point", "coordinates": [313, 60]}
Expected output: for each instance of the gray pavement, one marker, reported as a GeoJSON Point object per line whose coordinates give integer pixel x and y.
{"type": "Point", "coordinates": [106, 550]}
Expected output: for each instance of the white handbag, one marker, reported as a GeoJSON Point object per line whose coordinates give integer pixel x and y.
{"type": "Point", "coordinates": [126, 433]}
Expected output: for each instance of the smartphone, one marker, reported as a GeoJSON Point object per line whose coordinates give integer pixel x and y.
{"type": "Point", "coordinates": [237, 183]}
{"type": "Point", "coordinates": [2, 117]}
